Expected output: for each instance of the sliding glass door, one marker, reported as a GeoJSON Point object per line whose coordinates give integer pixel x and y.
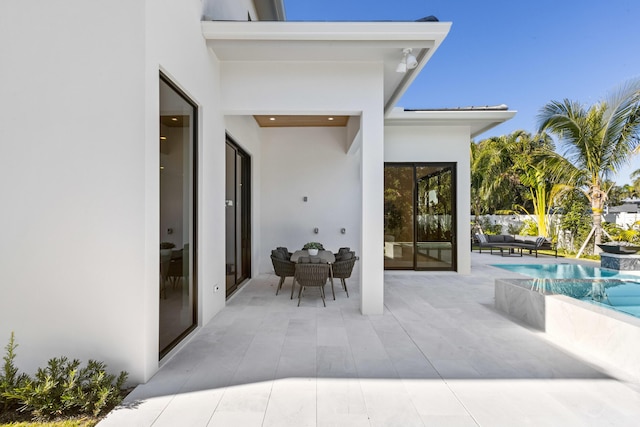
{"type": "Point", "coordinates": [178, 124]}
{"type": "Point", "coordinates": [419, 216]}
{"type": "Point", "coordinates": [399, 224]}
{"type": "Point", "coordinates": [237, 212]}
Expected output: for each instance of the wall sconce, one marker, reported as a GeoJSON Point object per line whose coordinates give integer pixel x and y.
{"type": "Point", "coordinates": [343, 230]}
{"type": "Point", "coordinates": [408, 62]}
{"type": "Point", "coordinates": [304, 199]}
{"type": "Point", "coordinates": [315, 230]}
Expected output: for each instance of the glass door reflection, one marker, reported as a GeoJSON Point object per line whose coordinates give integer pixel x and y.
{"type": "Point", "coordinates": [398, 217]}
{"type": "Point", "coordinates": [178, 124]}
{"type": "Point", "coordinates": [434, 220]}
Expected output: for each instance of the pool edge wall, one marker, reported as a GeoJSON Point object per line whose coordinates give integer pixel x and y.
{"type": "Point", "coordinates": [594, 332]}
{"type": "Point", "coordinates": [521, 303]}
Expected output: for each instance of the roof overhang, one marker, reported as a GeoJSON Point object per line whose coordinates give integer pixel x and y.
{"type": "Point", "coordinates": [479, 121]}
{"type": "Point", "coordinates": [381, 42]}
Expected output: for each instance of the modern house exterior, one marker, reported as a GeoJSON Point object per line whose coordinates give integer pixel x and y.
{"type": "Point", "coordinates": [222, 131]}
{"type": "Point", "coordinates": [625, 215]}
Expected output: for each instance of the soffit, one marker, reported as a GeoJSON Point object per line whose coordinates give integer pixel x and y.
{"type": "Point", "coordinates": [272, 121]}
{"type": "Point", "coordinates": [330, 42]}
{"type": "Point", "coordinates": [479, 121]}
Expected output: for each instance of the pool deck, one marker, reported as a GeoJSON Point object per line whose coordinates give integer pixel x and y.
{"type": "Point", "coordinates": [440, 355]}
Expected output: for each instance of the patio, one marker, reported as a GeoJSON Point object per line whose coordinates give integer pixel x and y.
{"type": "Point", "coordinates": [440, 355]}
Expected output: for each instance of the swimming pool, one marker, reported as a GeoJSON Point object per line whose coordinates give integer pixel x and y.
{"type": "Point", "coordinates": [566, 271]}
{"type": "Point", "coordinates": [597, 317]}
{"type": "Point", "coordinates": [616, 294]}
{"type": "Point", "coordinates": [599, 286]}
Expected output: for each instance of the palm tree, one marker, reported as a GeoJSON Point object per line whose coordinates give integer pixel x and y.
{"type": "Point", "coordinates": [491, 175]}
{"type": "Point", "coordinates": [635, 177]}
{"type": "Point", "coordinates": [545, 189]}
{"type": "Point", "coordinates": [495, 181]}
{"type": "Point", "coordinates": [597, 141]}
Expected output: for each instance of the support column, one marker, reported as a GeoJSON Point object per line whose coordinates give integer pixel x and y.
{"type": "Point", "coordinates": [372, 240]}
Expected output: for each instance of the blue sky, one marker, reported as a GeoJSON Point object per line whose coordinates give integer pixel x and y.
{"type": "Point", "coordinates": [520, 53]}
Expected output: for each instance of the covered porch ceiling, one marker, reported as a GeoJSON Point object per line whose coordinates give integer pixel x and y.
{"type": "Point", "coordinates": [381, 42]}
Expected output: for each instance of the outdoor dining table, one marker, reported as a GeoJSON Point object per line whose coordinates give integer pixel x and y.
{"type": "Point", "coordinates": [326, 256]}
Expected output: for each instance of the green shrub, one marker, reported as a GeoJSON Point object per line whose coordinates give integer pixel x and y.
{"type": "Point", "coordinates": [62, 389]}
{"type": "Point", "coordinates": [514, 228]}
{"type": "Point", "coordinates": [530, 228]}
{"type": "Point", "coordinates": [10, 380]}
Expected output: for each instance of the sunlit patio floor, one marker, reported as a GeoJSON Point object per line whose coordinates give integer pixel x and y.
{"type": "Point", "coordinates": [440, 355]}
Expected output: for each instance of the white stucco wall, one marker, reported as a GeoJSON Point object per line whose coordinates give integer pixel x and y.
{"type": "Point", "coordinates": [72, 179]}
{"type": "Point", "coordinates": [176, 47]}
{"type": "Point", "coordinates": [312, 163]}
{"type": "Point", "coordinates": [80, 107]}
{"type": "Point", "coordinates": [438, 144]}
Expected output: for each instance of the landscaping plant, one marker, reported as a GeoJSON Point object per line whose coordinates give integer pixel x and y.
{"type": "Point", "coordinates": [10, 379]}
{"type": "Point", "coordinates": [61, 389]}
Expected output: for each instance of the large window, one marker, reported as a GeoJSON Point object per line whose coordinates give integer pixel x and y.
{"type": "Point", "coordinates": [419, 216]}
{"type": "Point", "coordinates": [178, 303]}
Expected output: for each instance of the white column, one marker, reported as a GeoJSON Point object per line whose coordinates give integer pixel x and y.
{"type": "Point", "coordinates": [372, 178]}
{"type": "Point", "coordinates": [463, 231]}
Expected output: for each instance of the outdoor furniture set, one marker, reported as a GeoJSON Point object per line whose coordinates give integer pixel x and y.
{"type": "Point", "coordinates": [313, 270]}
{"type": "Point", "coordinates": [510, 245]}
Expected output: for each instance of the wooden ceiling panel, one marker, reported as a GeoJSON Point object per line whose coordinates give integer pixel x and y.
{"type": "Point", "coordinates": [301, 121]}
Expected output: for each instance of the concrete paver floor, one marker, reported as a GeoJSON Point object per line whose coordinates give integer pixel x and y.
{"type": "Point", "coordinates": [440, 355]}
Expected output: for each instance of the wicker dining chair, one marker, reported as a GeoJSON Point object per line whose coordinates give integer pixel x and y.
{"type": "Point", "coordinates": [311, 275]}
{"type": "Point", "coordinates": [283, 268]}
{"type": "Point", "coordinates": [342, 269]}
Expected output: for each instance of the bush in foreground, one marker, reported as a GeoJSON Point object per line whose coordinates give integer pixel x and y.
{"type": "Point", "coordinates": [61, 389]}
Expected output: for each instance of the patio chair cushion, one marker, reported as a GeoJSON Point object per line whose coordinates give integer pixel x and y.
{"type": "Point", "coordinates": [285, 252]}
{"type": "Point", "coordinates": [278, 254]}
{"type": "Point", "coordinates": [345, 256]}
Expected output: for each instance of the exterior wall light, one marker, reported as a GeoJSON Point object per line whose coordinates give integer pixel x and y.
{"type": "Point", "coordinates": [408, 62]}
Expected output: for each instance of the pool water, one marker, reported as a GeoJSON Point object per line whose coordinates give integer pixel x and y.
{"type": "Point", "coordinates": [624, 297]}
{"type": "Point", "coordinates": [600, 286]}
{"type": "Point", "coordinates": [566, 271]}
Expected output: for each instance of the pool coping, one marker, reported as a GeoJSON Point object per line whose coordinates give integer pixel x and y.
{"type": "Point", "coordinates": [593, 331]}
